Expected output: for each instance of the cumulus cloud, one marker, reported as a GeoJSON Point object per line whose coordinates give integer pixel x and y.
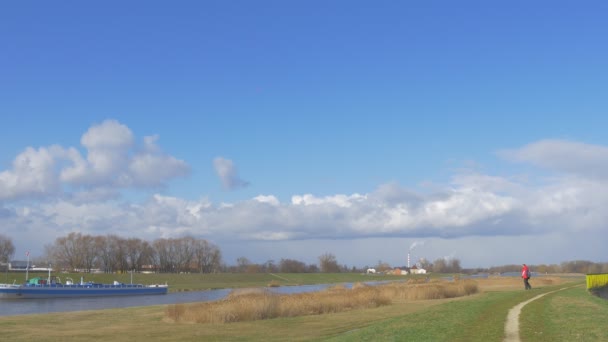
{"type": "Point", "coordinates": [33, 173]}
{"type": "Point", "coordinates": [463, 210]}
{"type": "Point", "coordinates": [470, 205]}
{"type": "Point", "coordinates": [151, 167]}
{"type": "Point", "coordinates": [227, 172]}
{"type": "Point", "coordinates": [112, 161]}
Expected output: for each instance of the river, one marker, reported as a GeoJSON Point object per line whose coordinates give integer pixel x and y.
{"type": "Point", "coordinates": [12, 307]}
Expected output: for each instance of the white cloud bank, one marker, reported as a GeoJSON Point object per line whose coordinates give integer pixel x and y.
{"type": "Point", "coordinates": [571, 202]}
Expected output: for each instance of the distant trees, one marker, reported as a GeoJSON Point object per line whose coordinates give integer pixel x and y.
{"type": "Point", "coordinates": [445, 265]}
{"type": "Point", "coordinates": [207, 256]}
{"type": "Point", "coordinates": [7, 249]}
{"type": "Point", "coordinates": [112, 253]}
{"type": "Point", "coordinates": [176, 255]}
{"type": "Point", "coordinates": [295, 266]}
{"type": "Point", "coordinates": [382, 266]}
{"type": "Point", "coordinates": [328, 263]}
{"type": "Point", "coordinates": [582, 266]}
{"type": "Point", "coordinates": [425, 264]}
{"type": "Point", "coordinates": [575, 266]}
{"type": "Point", "coordinates": [244, 265]}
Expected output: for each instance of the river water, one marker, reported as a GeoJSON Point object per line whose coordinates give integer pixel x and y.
{"type": "Point", "coordinates": [11, 307]}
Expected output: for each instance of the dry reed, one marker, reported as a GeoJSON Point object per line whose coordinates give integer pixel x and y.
{"type": "Point", "coordinates": [274, 283]}
{"type": "Point", "coordinates": [256, 304]}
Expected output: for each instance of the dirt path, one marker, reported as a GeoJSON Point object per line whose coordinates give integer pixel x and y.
{"type": "Point", "coordinates": [512, 325]}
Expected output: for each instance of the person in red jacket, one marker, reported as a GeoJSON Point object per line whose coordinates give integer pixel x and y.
{"type": "Point", "coordinates": [525, 273]}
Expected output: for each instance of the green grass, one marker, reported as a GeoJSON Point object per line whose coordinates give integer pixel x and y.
{"type": "Point", "coordinates": [480, 318]}
{"type": "Point", "coordinates": [569, 315]}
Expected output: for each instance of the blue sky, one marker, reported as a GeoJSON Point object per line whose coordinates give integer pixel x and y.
{"type": "Point", "coordinates": [281, 129]}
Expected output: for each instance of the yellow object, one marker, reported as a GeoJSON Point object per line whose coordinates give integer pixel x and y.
{"type": "Point", "coordinates": [597, 280]}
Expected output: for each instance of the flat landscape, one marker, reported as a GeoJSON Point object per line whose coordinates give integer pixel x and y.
{"type": "Point", "coordinates": [240, 151]}
{"type": "Point", "coordinates": [568, 314]}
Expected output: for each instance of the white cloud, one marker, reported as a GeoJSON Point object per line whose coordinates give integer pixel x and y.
{"type": "Point", "coordinates": [112, 162]}
{"type": "Point", "coordinates": [108, 145]}
{"type": "Point", "coordinates": [575, 158]}
{"type": "Point", "coordinates": [228, 174]}
{"type": "Point", "coordinates": [33, 173]}
{"type": "Point", "coordinates": [272, 200]}
{"type": "Point", "coordinates": [342, 201]}
{"type": "Point", "coordinates": [474, 207]}
{"type": "Point", "coordinates": [462, 211]}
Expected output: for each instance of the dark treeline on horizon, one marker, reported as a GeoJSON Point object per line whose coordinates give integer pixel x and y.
{"type": "Point", "coordinates": [111, 253]}
{"type": "Point", "coordinates": [576, 266]}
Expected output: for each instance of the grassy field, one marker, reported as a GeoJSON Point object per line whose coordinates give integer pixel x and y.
{"type": "Point", "coordinates": [566, 315]}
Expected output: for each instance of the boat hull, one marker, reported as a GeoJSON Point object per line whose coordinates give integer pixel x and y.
{"type": "Point", "coordinates": [74, 291]}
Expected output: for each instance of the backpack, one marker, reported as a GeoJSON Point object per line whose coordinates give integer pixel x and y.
{"type": "Point", "coordinates": [528, 274]}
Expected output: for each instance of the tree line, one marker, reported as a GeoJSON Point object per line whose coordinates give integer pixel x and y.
{"type": "Point", "coordinates": [575, 266]}
{"type": "Point", "coordinates": [327, 264]}
{"type": "Point", "coordinates": [112, 253]}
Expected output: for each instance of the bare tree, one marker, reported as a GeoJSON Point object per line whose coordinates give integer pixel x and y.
{"type": "Point", "coordinates": [445, 265]}
{"type": "Point", "coordinates": [328, 263]}
{"type": "Point", "coordinates": [454, 265]}
{"type": "Point", "coordinates": [114, 253]}
{"type": "Point", "coordinates": [107, 246]}
{"type": "Point", "coordinates": [121, 255]}
{"type": "Point", "coordinates": [138, 253]}
{"type": "Point", "coordinates": [75, 252]}
{"type": "Point", "coordinates": [242, 264]}
{"type": "Point", "coordinates": [88, 247]}
{"type": "Point", "coordinates": [174, 255]}
{"type": "Point", "coordinates": [440, 266]}
{"type": "Point", "coordinates": [424, 263]}
{"type": "Point", "coordinates": [269, 266]}
{"type": "Point", "coordinates": [7, 249]}
{"type": "Point", "coordinates": [207, 256]}
{"type": "Point", "coordinates": [164, 257]}
{"type": "Point", "coordinates": [66, 253]}
{"type": "Point", "coordinates": [184, 250]}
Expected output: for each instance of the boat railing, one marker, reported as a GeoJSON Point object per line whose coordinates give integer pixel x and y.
{"type": "Point", "coordinates": [90, 285]}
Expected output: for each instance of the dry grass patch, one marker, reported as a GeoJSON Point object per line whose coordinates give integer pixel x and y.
{"type": "Point", "coordinates": [431, 290]}
{"type": "Point", "coordinates": [274, 283]}
{"type": "Point", "coordinates": [259, 304]}
{"type": "Point", "coordinates": [514, 283]}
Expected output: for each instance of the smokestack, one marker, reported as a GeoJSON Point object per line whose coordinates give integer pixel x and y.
{"type": "Point", "coordinates": [408, 260]}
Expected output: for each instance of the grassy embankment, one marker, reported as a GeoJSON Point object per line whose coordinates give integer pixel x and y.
{"type": "Point", "coordinates": [566, 315]}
